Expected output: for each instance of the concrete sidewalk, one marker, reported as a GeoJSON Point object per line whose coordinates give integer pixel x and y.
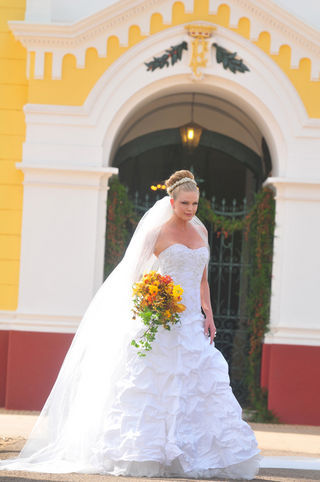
{"type": "Point", "coordinates": [291, 452]}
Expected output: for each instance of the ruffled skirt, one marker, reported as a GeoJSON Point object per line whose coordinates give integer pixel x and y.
{"type": "Point", "coordinates": [175, 415]}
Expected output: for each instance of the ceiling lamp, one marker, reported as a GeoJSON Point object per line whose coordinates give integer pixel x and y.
{"type": "Point", "coordinates": [191, 132]}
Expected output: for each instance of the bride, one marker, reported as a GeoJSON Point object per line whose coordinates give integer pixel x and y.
{"type": "Point", "coordinates": [170, 413]}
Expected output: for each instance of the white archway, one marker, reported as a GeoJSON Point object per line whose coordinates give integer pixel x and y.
{"type": "Point", "coordinates": [90, 131]}
{"type": "Point", "coordinates": [264, 93]}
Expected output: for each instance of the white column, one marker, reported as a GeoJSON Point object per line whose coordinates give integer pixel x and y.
{"type": "Point", "coordinates": [62, 245]}
{"type": "Point", "coordinates": [294, 317]}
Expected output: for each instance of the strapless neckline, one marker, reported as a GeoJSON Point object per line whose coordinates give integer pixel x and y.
{"type": "Point", "coordinates": [181, 244]}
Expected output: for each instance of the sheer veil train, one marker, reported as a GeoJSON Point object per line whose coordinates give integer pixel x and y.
{"type": "Point", "coordinates": [71, 419]}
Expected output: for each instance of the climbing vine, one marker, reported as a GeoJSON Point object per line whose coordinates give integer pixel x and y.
{"type": "Point", "coordinates": [121, 221]}
{"type": "Point", "coordinates": [258, 228]}
{"type": "Point", "coordinates": [261, 234]}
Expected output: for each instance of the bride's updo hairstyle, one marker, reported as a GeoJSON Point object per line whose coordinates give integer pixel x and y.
{"type": "Point", "coordinates": [180, 181]}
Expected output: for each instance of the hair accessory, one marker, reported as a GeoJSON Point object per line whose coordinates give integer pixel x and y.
{"type": "Point", "coordinates": [181, 181]}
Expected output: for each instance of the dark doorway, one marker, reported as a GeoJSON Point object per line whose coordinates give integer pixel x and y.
{"type": "Point", "coordinates": [224, 168]}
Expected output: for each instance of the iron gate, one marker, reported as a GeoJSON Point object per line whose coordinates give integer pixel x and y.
{"type": "Point", "coordinates": [228, 280]}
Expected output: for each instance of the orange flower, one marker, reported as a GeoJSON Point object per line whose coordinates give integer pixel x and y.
{"type": "Point", "coordinates": [180, 307]}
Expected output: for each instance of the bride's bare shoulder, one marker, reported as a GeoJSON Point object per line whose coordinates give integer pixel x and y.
{"type": "Point", "coordinates": [162, 240]}
{"type": "Point", "coordinates": [204, 230]}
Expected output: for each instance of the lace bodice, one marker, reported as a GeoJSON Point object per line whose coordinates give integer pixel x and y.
{"type": "Point", "coordinates": [185, 266]}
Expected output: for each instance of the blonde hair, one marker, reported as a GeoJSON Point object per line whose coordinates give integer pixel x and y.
{"type": "Point", "coordinates": [180, 181]}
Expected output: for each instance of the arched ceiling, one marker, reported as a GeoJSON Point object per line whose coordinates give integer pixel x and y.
{"type": "Point", "coordinates": [212, 113]}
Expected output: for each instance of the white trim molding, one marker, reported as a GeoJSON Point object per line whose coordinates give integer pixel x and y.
{"type": "Point", "coordinates": [78, 177]}
{"type": "Point", "coordinates": [17, 321]}
{"type": "Point", "coordinates": [288, 335]}
{"type": "Point", "coordinates": [93, 31]}
{"type": "Point", "coordinates": [295, 189]}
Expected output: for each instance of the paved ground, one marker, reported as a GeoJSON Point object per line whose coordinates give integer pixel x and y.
{"type": "Point", "coordinates": [286, 446]}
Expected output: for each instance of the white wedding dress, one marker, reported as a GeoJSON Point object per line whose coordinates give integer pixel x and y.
{"type": "Point", "coordinates": [174, 413]}
{"type": "Point", "coordinates": [170, 413]}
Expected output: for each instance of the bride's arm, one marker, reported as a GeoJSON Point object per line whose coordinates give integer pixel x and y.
{"type": "Point", "coordinates": [206, 306]}
{"type": "Point", "coordinates": [205, 292]}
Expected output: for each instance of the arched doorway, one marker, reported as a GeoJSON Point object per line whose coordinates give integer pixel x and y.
{"type": "Point", "coordinates": [149, 158]}
{"type": "Point", "coordinates": [231, 146]}
{"type": "Point", "coordinates": [230, 164]}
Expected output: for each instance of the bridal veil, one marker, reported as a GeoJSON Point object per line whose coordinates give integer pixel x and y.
{"type": "Point", "coordinates": [71, 419]}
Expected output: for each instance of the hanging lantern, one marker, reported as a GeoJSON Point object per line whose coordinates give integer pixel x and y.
{"type": "Point", "coordinates": [191, 132]}
{"type": "Point", "coordinates": [190, 135]}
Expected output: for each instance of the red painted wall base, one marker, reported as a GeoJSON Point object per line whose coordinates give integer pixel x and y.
{"type": "Point", "coordinates": [4, 342]}
{"type": "Point", "coordinates": [32, 365]}
{"type": "Point", "coordinates": [291, 373]}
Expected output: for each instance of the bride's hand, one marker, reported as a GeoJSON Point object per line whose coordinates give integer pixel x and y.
{"type": "Point", "coordinates": [209, 324]}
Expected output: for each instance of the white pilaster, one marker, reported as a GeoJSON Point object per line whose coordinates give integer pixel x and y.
{"type": "Point", "coordinates": [294, 317]}
{"type": "Point", "coordinates": [62, 250]}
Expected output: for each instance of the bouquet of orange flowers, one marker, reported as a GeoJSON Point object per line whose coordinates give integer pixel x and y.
{"type": "Point", "coordinates": [156, 301]}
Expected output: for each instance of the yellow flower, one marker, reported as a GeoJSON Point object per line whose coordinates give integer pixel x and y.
{"type": "Point", "coordinates": [153, 289]}
{"type": "Point", "coordinates": [136, 288]}
{"type": "Point", "coordinates": [167, 313]}
{"type": "Point", "coordinates": [177, 291]}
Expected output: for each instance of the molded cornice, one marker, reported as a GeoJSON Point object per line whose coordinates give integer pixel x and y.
{"type": "Point", "coordinates": [72, 35]}
{"type": "Point", "coordinates": [92, 31]}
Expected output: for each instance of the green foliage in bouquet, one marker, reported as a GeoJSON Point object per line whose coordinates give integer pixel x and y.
{"type": "Point", "coordinates": [157, 301]}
